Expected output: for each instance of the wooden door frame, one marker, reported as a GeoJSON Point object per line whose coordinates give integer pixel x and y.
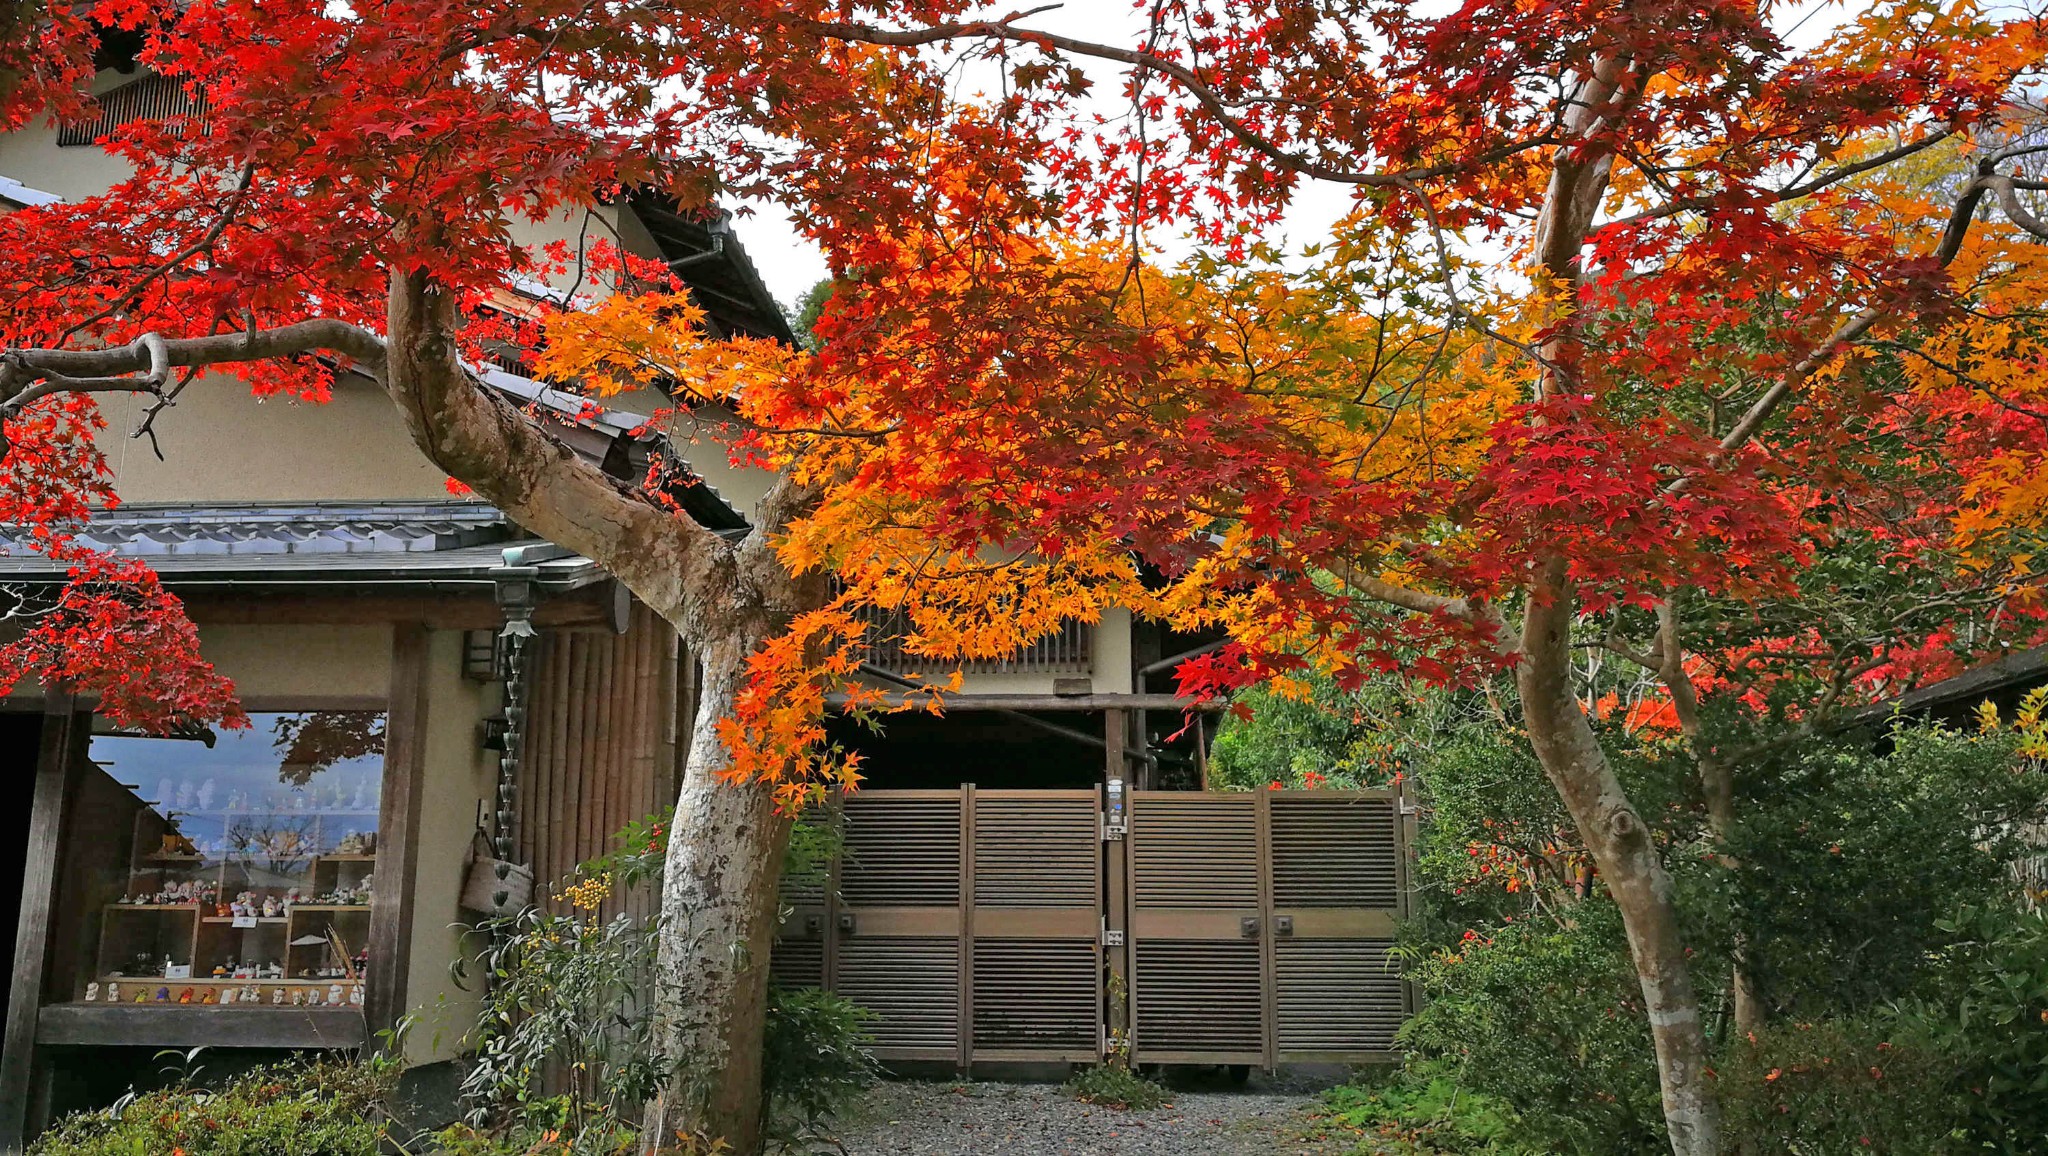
{"type": "Point", "coordinates": [60, 757]}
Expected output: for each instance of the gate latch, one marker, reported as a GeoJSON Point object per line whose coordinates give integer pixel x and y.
{"type": "Point", "coordinates": [1283, 925]}
{"type": "Point", "coordinates": [1112, 938]}
{"type": "Point", "coordinates": [1114, 820]}
{"type": "Point", "coordinates": [1248, 927]}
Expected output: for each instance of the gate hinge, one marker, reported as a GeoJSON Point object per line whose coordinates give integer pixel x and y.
{"type": "Point", "coordinates": [1112, 938]}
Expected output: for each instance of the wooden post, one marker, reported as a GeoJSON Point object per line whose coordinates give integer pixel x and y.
{"type": "Point", "coordinates": [1116, 914]}
{"type": "Point", "coordinates": [60, 754]}
{"type": "Point", "coordinates": [398, 830]}
{"type": "Point", "coordinates": [964, 1062]}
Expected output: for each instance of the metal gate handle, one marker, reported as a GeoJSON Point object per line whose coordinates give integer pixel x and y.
{"type": "Point", "coordinates": [846, 924]}
{"type": "Point", "coordinates": [1248, 927]}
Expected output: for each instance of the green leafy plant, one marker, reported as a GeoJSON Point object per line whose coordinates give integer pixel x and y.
{"type": "Point", "coordinates": [1853, 1085]}
{"type": "Point", "coordinates": [1115, 1085]}
{"type": "Point", "coordinates": [1988, 1008]}
{"type": "Point", "coordinates": [815, 1063]}
{"type": "Point", "coordinates": [319, 1108]}
{"type": "Point", "coordinates": [1423, 1110]}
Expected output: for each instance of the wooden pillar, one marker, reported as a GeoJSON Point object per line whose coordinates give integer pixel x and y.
{"type": "Point", "coordinates": [1116, 949]}
{"type": "Point", "coordinates": [60, 758]}
{"type": "Point", "coordinates": [964, 1060]}
{"type": "Point", "coordinates": [398, 829]}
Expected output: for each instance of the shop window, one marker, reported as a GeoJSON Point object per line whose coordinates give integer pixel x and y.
{"type": "Point", "coordinates": [231, 869]}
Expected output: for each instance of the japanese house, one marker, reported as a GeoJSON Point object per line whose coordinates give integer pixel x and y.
{"type": "Point", "coordinates": [1023, 877]}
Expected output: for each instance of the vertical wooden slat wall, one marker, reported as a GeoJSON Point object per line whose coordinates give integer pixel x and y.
{"type": "Point", "coordinates": [601, 751]}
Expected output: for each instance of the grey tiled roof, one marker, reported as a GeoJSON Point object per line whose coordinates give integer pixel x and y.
{"type": "Point", "coordinates": [308, 543]}
{"type": "Point", "coordinates": [157, 531]}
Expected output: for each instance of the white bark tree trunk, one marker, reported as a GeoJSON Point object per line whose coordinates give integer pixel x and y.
{"type": "Point", "coordinates": [718, 906]}
{"type": "Point", "coordinates": [1620, 844]}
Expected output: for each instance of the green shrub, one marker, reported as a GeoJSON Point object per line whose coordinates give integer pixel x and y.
{"type": "Point", "coordinates": [1851, 861]}
{"type": "Point", "coordinates": [1860, 1085]}
{"type": "Point", "coordinates": [1422, 1109]}
{"type": "Point", "coordinates": [1987, 1007]}
{"type": "Point", "coordinates": [1548, 1021]}
{"type": "Point", "coordinates": [1116, 1086]}
{"type": "Point", "coordinates": [816, 1060]}
{"type": "Point", "coordinates": [323, 1108]}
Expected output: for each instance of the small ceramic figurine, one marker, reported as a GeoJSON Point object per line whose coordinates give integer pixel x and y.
{"type": "Point", "coordinates": [143, 997]}
{"type": "Point", "coordinates": [249, 993]}
{"type": "Point", "coordinates": [163, 995]}
{"type": "Point", "coordinates": [207, 996]}
{"type": "Point", "coordinates": [92, 993]}
{"type": "Point", "coordinates": [113, 993]}
{"type": "Point", "coordinates": [298, 997]}
{"type": "Point", "coordinates": [276, 995]}
{"type": "Point", "coordinates": [227, 996]}
{"type": "Point", "coordinates": [270, 907]}
{"type": "Point", "coordinates": [185, 996]}
{"type": "Point", "coordinates": [355, 995]}
{"type": "Point", "coordinates": [219, 972]}
{"type": "Point", "coordinates": [334, 993]}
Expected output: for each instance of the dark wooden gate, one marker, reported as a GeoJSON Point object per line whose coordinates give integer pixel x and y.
{"type": "Point", "coordinates": [972, 924]}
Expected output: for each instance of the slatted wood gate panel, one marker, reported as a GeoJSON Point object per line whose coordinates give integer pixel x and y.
{"type": "Point", "coordinates": [1261, 925]}
{"type": "Point", "coordinates": [1338, 882]}
{"type": "Point", "coordinates": [1036, 985]}
{"type": "Point", "coordinates": [968, 921]}
{"type": "Point", "coordinates": [1197, 962]}
{"type": "Point", "coordinates": [899, 929]}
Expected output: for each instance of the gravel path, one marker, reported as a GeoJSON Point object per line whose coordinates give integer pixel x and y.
{"type": "Point", "coordinates": [958, 1119]}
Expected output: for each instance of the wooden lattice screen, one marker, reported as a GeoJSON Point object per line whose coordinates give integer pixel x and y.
{"type": "Point", "coordinates": [149, 98]}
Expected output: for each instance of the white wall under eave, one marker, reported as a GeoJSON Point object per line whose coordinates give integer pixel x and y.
{"type": "Point", "coordinates": [301, 662]}
{"type": "Point", "coordinates": [460, 774]}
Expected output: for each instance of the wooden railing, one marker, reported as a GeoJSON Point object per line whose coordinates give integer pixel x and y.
{"type": "Point", "coordinates": [1069, 650]}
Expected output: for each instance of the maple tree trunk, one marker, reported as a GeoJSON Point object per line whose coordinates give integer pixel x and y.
{"type": "Point", "coordinates": [1717, 788]}
{"type": "Point", "coordinates": [718, 903]}
{"type": "Point", "coordinates": [1627, 859]}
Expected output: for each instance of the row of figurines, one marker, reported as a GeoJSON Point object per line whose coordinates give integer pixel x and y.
{"type": "Point", "coordinates": [145, 965]}
{"type": "Point", "coordinates": [336, 995]}
{"type": "Point", "coordinates": [185, 797]}
{"type": "Point", "coordinates": [248, 903]}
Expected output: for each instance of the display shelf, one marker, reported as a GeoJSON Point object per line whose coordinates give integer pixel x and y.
{"type": "Point", "coordinates": [190, 934]}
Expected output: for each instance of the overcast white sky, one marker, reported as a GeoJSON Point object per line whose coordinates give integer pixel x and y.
{"type": "Point", "coordinates": [791, 265]}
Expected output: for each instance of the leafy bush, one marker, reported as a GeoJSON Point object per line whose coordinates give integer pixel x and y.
{"type": "Point", "coordinates": [1988, 1009]}
{"type": "Point", "coordinates": [1850, 862]}
{"type": "Point", "coordinates": [1115, 1085]}
{"type": "Point", "coordinates": [1422, 1109]}
{"type": "Point", "coordinates": [1864, 1085]}
{"type": "Point", "coordinates": [1547, 1020]}
{"type": "Point", "coordinates": [323, 1108]}
{"type": "Point", "coordinates": [816, 1061]}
